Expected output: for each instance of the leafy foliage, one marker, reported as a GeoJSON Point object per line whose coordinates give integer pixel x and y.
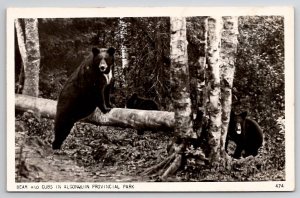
{"type": "Point", "coordinates": [259, 78]}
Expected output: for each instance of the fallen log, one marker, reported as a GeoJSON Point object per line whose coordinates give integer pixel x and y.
{"type": "Point", "coordinates": [120, 117]}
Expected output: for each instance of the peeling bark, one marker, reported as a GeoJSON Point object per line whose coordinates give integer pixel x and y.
{"type": "Point", "coordinates": [181, 99]}
{"type": "Point", "coordinates": [227, 68]}
{"type": "Point", "coordinates": [22, 49]}
{"type": "Point", "coordinates": [124, 50]}
{"type": "Point", "coordinates": [32, 64]}
{"type": "Point", "coordinates": [214, 27]}
{"type": "Point", "coordinates": [180, 79]}
{"type": "Point", "coordinates": [30, 53]}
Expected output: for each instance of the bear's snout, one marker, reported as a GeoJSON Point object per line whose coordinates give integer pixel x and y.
{"type": "Point", "coordinates": [102, 68]}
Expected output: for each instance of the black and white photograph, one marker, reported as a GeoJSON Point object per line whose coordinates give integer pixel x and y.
{"type": "Point", "coordinates": [150, 99]}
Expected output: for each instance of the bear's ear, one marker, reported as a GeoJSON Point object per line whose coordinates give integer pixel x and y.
{"type": "Point", "coordinates": [244, 115]}
{"type": "Point", "coordinates": [111, 51]}
{"type": "Point", "coordinates": [95, 51]}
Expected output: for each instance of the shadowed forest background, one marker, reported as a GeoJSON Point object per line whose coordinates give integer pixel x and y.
{"type": "Point", "coordinates": [102, 153]}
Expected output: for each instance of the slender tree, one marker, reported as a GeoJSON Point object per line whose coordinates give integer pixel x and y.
{"type": "Point", "coordinates": [30, 53]}
{"type": "Point", "coordinates": [22, 48]}
{"type": "Point", "coordinates": [181, 99]}
{"type": "Point", "coordinates": [124, 50]}
{"type": "Point", "coordinates": [227, 67]}
{"type": "Point", "coordinates": [213, 107]}
{"type": "Point", "coordinates": [32, 66]}
{"type": "Point", "coordinates": [180, 78]}
{"type": "Point", "coordinates": [120, 70]}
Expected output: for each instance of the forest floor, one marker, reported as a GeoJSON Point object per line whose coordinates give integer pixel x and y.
{"type": "Point", "coordinates": [111, 154]}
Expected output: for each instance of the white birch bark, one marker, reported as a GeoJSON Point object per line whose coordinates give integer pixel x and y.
{"type": "Point", "coordinates": [227, 67]}
{"type": "Point", "coordinates": [124, 50]}
{"type": "Point", "coordinates": [180, 79]}
{"type": "Point", "coordinates": [214, 27]}
{"type": "Point", "coordinates": [21, 41]}
{"type": "Point", "coordinates": [32, 58]}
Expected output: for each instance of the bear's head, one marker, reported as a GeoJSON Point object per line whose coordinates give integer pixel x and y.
{"type": "Point", "coordinates": [131, 102]}
{"type": "Point", "coordinates": [236, 125]}
{"type": "Point", "coordinates": [103, 59]}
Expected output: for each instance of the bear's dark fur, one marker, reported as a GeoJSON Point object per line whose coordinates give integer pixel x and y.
{"type": "Point", "coordinates": [246, 133]}
{"type": "Point", "coordinates": [86, 89]}
{"type": "Point", "coordinates": [136, 102]}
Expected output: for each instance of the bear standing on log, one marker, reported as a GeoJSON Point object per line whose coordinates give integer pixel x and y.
{"type": "Point", "coordinates": [87, 88]}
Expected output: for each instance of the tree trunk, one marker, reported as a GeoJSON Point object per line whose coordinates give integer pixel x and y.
{"type": "Point", "coordinates": [120, 70]}
{"type": "Point", "coordinates": [181, 100]}
{"type": "Point", "coordinates": [123, 34]}
{"type": "Point", "coordinates": [201, 83]}
{"type": "Point", "coordinates": [180, 79]}
{"type": "Point", "coordinates": [131, 118]}
{"type": "Point", "coordinates": [22, 49]}
{"type": "Point", "coordinates": [32, 64]}
{"type": "Point", "coordinates": [227, 67]}
{"type": "Point", "coordinates": [214, 26]}
{"type": "Point", "coordinates": [30, 54]}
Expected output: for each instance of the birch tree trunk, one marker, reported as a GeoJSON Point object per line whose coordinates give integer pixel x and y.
{"type": "Point", "coordinates": [32, 64]}
{"type": "Point", "coordinates": [180, 94]}
{"type": "Point", "coordinates": [22, 49]}
{"type": "Point", "coordinates": [120, 70]}
{"type": "Point", "coordinates": [30, 54]}
{"type": "Point", "coordinates": [227, 67]}
{"type": "Point", "coordinates": [124, 51]}
{"type": "Point", "coordinates": [180, 79]}
{"type": "Point", "coordinates": [214, 27]}
{"type": "Point", "coordinates": [181, 99]}
{"type": "Point", "coordinates": [201, 81]}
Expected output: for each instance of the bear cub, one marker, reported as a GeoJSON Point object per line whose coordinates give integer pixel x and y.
{"type": "Point", "coordinates": [136, 102]}
{"type": "Point", "coordinates": [246, 133]}
{"type": "Point", "coordinates": [88, 87]}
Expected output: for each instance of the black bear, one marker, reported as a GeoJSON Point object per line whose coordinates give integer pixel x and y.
{"type": "Point", "coordinates": [246, 133]}
{"type": "Point", "coordinates": [86, 89]}
{"type": "Point", "coordinates": [136, 102]}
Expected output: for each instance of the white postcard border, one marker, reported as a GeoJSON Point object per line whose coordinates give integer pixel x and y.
{"type": "Point", "coordinates": [287, 12]}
